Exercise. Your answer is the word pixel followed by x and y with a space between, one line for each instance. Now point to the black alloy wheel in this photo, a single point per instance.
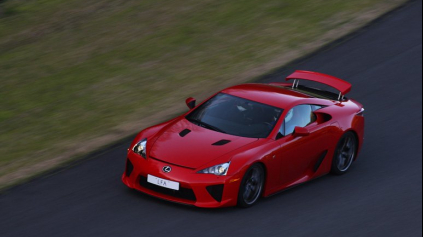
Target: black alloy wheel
pixel 251 186
pixel 345 154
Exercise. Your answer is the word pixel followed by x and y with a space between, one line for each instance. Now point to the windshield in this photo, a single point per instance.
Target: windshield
pixel 236 116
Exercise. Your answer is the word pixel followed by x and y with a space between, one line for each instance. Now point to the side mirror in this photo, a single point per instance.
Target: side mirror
pixel 301 132
pixel 191 102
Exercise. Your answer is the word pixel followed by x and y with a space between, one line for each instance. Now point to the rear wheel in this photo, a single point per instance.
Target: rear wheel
pixel 251 186
pixel 345 154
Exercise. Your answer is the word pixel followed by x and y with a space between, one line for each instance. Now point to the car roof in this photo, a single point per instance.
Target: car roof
pixel 273 95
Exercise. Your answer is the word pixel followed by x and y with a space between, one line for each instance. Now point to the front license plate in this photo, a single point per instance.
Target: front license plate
pixel 163 182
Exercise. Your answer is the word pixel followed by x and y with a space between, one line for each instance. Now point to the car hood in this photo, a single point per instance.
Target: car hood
pixel 188 145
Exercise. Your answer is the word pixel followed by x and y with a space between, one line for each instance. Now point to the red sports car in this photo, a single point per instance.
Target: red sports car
pixel 249 141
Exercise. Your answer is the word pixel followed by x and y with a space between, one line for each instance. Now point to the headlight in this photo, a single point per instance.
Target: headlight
pixel 220 170
pixel 140 148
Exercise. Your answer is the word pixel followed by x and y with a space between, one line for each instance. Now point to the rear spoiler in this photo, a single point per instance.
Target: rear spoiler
pixel 340 85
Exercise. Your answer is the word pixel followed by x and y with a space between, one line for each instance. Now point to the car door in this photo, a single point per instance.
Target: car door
pixel 298 155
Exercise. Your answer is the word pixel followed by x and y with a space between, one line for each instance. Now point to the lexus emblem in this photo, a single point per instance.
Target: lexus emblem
pixel 167 169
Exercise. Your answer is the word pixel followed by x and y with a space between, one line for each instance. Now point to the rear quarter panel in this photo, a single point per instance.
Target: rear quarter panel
pixel 345 115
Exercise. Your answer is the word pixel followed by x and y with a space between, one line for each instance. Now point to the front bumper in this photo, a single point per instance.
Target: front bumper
pixel 201 190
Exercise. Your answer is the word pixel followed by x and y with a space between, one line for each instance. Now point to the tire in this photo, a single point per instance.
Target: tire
pixel 251 187
pixel 345 154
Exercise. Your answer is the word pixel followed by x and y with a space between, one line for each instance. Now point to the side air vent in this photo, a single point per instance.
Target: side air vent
pixel 320 161
pixel 323 117
pixel 221 143
pixel 184 133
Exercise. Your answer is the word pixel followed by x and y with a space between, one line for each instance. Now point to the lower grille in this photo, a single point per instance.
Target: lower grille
pixel 216 192
pixel 129 168
pixel 183 193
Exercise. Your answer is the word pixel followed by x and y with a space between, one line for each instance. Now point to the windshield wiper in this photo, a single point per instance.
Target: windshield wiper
pixel 205 125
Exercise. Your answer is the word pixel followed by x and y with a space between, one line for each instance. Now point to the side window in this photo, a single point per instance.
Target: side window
pixel 316 107
pixel 299 116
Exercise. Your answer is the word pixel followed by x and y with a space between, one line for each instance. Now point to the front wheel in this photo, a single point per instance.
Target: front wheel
pixel 345 154
pixel 251 186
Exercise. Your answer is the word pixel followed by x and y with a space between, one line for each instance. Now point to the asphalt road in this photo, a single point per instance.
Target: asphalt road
pixel 382 196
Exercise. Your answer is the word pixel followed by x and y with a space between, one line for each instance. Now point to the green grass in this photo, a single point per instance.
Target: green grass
pixel 73 70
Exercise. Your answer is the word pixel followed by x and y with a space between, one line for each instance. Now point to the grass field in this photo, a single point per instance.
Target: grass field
pixel 73 71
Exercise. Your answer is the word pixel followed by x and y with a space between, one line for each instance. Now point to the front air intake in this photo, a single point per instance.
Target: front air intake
pixel 129 168
pixel 216 192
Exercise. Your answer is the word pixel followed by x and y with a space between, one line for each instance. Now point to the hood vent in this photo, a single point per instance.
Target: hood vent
pixel 221 143
pixel 184 133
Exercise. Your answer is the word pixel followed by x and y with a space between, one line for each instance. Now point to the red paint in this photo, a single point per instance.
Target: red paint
pixel 288 161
